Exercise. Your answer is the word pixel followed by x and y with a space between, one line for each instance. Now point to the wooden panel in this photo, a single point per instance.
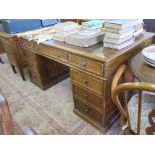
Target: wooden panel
pixel 35 77
pixel 87 96
pixel 33 66
pixel 62 68
pixel 86 64
pixel 88 111
pixel 28 54
pixel 88 81
pixel 1 48
pixel 9 52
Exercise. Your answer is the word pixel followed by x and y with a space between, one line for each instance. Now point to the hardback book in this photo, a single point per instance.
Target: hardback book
pixel 121 23
pixel 117 41
pixel 95 22
pixel 112 30
pixel 92 27
pixel 66 32
pixel 84 40
pixel 89 32
pixel 138 26
pixel 119 35
pixel 119 46
pixel 59 37
pixel 139 32
pixel 66 26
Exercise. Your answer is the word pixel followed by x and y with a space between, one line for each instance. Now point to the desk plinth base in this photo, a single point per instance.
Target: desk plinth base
pixel 102 128
pixel 99 127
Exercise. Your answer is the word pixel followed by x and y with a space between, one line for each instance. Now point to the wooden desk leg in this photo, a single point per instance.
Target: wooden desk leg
pixel 1 61
pixel 13 68
pixel 20 70
pixel 22 73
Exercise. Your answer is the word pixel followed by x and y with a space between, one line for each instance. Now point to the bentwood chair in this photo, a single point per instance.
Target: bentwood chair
pixel 137 112
pixel 6 124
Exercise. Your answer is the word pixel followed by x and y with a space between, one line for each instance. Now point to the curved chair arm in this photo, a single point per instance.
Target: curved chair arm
pixel 28 131
pixel 6 117
pixel 115 81
pixel 141 86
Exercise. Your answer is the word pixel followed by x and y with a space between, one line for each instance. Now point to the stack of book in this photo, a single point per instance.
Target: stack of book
pixel 119 33
pixel 62 30
pixel 91 33
pixel 86 40
pixel 92 27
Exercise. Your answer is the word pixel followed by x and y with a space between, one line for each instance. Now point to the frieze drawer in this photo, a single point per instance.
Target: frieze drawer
pixel 54 52
pixel 86 64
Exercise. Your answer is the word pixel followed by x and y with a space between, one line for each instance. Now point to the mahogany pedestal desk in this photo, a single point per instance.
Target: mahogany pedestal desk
pixel 91 71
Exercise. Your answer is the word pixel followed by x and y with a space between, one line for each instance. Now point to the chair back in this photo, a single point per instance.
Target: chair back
pixel 118 88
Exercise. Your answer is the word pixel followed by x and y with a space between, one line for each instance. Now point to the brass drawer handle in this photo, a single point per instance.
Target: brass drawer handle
pixel 85 95
pixel 85 82
pixel 83 64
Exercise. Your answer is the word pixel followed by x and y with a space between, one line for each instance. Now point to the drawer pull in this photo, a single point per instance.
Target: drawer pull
pixel 85 82
pixel 86 111
pixel 86 95
pixel 83 64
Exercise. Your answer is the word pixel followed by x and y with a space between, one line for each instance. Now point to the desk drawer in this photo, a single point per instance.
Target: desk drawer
pixel 86 64
pixel 28 54
pixel 35 77
pixel 87 96
pixel 88 81
pixel 88 111
pixel 62 55
pixel 54 52
pixel 5 41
